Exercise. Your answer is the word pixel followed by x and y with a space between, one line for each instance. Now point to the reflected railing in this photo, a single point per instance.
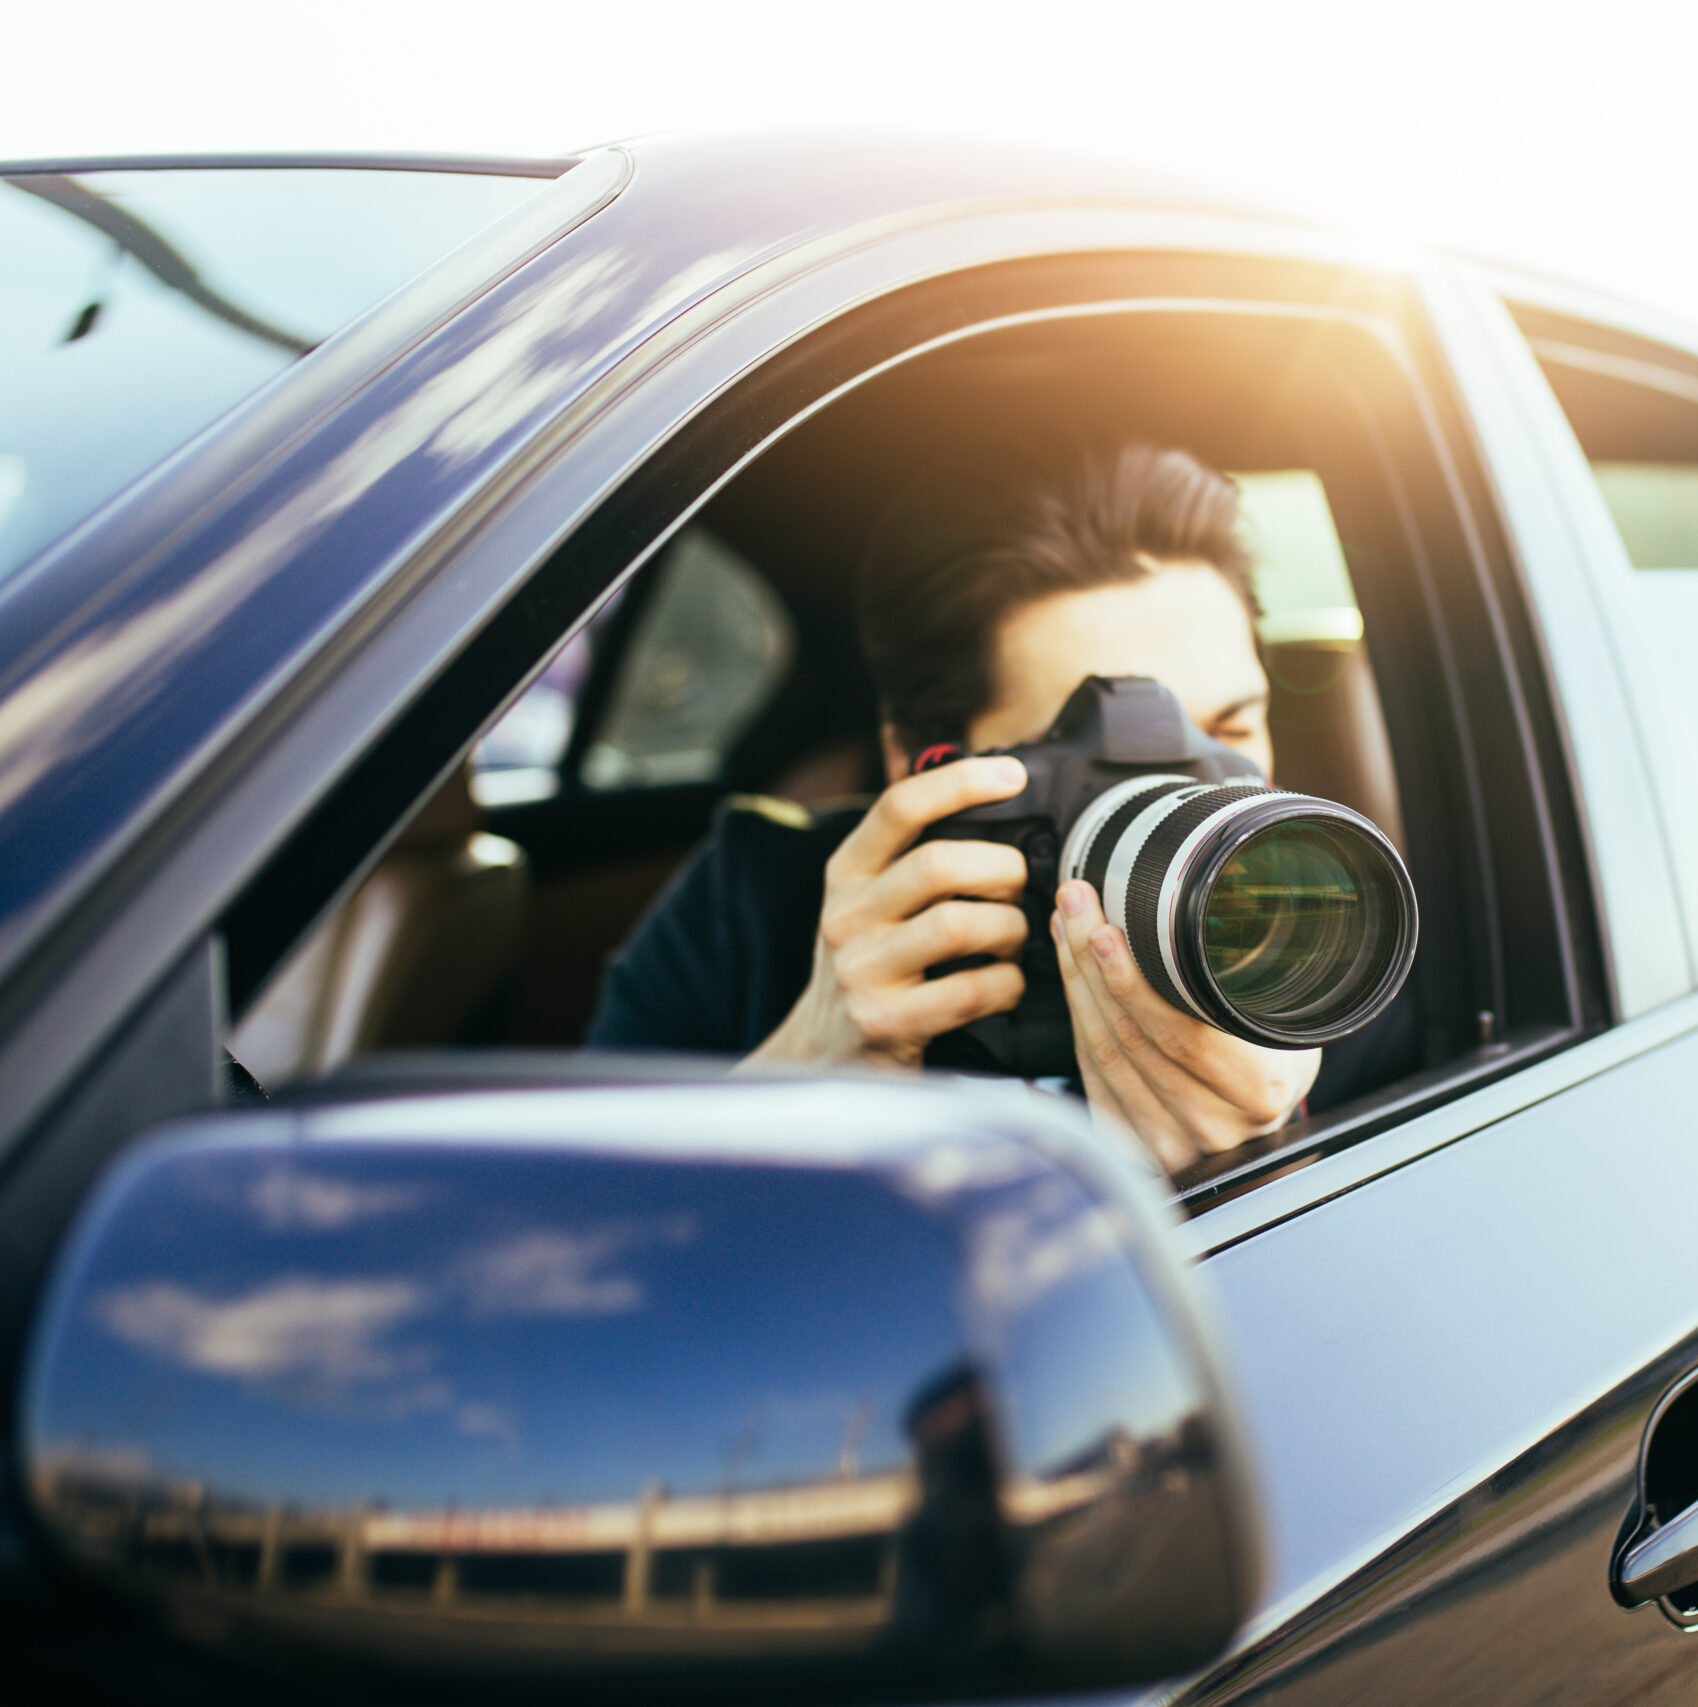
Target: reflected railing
pixel 826 1547
pixel 822 1552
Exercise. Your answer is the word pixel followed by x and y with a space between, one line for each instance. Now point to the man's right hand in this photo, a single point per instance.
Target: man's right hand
pixel 892 910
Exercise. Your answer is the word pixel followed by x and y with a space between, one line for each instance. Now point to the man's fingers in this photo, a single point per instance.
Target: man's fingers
pixel 934 871
pixel 1089 941
pixel 1110 1081
pixel 897 817
pixel 901 1021
pixel 951 930
pixel 943 1004
pixel 1106 1042
pixel 1259 1085
pixel 1218 1088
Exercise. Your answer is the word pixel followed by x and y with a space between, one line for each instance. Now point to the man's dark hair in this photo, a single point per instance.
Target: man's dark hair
pixel 951 560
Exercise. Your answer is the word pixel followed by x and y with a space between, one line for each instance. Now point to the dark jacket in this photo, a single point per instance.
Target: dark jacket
pixel 727 947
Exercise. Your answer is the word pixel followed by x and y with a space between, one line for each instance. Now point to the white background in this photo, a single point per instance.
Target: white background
pixel 1556 134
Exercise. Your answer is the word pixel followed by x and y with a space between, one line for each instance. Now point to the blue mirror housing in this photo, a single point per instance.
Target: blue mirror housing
pixel 671 1388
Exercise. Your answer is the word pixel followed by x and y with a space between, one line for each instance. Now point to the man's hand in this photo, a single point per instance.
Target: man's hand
pixel 892 909
pixel 1185 1088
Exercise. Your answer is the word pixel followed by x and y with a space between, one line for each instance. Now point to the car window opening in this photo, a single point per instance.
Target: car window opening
pixel 729 667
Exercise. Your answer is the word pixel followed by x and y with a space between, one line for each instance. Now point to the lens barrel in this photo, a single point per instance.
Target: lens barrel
pixel 1283 918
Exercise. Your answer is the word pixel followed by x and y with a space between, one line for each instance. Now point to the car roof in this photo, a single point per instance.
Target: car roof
pixel 908 166
pixel 984 163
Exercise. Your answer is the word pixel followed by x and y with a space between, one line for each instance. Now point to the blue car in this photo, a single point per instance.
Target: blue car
pixel 403 560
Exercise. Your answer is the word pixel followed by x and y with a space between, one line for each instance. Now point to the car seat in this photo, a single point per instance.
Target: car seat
pixel 407 961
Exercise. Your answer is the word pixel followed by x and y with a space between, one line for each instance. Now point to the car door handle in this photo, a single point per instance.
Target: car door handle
pixel 1666 1560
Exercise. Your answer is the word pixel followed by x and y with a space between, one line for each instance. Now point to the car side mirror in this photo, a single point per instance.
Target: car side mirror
pixel 672 1388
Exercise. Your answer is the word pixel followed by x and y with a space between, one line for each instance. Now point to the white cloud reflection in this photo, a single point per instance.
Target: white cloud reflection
pixel 944 1170
pixel 324 1335
pixel 548 1272
pixel 1041 1244
pixel 292 1200
pixel 482 1421
pixel 378 1344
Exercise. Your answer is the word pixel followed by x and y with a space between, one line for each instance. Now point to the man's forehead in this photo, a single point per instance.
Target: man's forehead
pixel 1188 625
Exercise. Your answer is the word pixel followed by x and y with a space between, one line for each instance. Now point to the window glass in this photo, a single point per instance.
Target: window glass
pixel 519 759
pixel 709 649
pixel 707 652
pixel 138 306
pixel 1655 506
pixel 1324 713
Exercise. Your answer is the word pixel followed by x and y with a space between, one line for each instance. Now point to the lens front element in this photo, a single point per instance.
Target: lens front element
pixel 1300 924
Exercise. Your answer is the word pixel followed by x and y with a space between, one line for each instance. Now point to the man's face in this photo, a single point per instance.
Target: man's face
pixel 1182 624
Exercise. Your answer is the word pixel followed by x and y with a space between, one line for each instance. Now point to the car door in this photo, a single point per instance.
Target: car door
pixel 1466 1361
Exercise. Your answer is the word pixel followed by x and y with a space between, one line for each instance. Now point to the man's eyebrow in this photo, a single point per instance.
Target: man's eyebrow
pixel 1245 704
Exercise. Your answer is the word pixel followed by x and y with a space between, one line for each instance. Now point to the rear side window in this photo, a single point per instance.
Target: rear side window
pixel 136 307
pixel 1655 506
pixel 699 658
pixel 707 653
pixel 1633 405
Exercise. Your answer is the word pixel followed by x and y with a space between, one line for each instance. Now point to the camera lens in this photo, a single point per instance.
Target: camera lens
pixel 1282 918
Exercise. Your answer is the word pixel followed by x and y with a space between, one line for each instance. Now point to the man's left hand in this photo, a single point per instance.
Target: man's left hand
pixel 1186 1088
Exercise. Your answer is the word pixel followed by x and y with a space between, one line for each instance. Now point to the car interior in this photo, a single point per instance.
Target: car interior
pixel 728 665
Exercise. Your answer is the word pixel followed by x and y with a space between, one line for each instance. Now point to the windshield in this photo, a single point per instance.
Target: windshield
pixel 137 306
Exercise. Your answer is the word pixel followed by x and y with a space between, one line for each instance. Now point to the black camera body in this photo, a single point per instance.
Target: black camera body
pixel 1111 730
pixel 1283 919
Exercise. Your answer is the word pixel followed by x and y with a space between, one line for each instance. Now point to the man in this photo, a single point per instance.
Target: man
pixel 792 938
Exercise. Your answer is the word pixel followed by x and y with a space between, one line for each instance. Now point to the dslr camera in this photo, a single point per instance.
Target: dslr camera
pixel 1281 918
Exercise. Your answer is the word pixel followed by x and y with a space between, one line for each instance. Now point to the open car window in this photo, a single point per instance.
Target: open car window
pixel 728 667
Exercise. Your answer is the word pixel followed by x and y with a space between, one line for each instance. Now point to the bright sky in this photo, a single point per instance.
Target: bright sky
pixel 1559 134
